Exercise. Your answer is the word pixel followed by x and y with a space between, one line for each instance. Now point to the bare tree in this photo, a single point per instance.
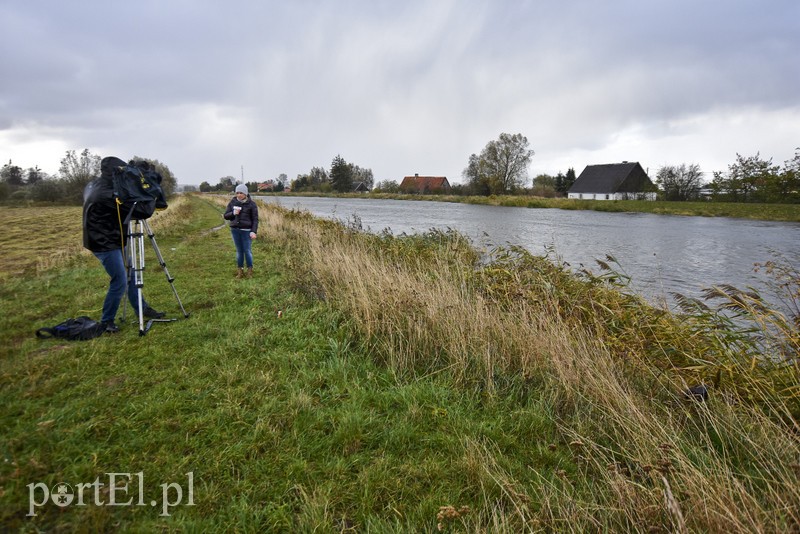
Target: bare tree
pixel 318 176
pixel 679 182
pixel 362 175
pixel 501 167
pixel 77 171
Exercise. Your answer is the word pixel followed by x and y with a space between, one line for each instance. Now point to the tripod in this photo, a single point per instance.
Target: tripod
pixel 135 264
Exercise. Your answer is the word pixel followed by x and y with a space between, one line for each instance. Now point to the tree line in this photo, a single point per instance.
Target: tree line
pixel 749 179
pixel 753 179
pixel 501 168
pixel 342 177
pixel 66 187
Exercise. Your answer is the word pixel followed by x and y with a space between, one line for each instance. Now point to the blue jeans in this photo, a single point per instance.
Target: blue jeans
pixel 241 238
pixel 115 267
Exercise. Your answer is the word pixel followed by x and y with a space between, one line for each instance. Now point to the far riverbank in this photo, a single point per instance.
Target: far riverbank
pixel 761 212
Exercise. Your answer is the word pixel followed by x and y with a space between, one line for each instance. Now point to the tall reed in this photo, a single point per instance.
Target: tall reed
pixel 611 369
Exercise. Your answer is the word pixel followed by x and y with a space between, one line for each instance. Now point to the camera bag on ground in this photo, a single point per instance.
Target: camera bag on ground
pixel 78 329
pixel 137 186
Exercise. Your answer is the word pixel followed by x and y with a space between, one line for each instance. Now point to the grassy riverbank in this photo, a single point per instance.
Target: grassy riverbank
pixel 399 389
pixel 764 212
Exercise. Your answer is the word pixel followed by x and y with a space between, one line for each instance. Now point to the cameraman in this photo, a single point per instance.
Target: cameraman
pixel 102 234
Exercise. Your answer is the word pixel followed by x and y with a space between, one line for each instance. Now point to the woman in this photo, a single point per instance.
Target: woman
pixel 243 214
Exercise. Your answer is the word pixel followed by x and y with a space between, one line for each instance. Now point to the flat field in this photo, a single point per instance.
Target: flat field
pixel 34 239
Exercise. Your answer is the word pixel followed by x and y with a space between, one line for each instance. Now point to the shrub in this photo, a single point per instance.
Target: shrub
pixel 47 191
pixel 20 195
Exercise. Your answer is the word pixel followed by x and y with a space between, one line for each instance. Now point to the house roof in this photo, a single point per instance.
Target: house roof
pixel 425 182
pixel 625 177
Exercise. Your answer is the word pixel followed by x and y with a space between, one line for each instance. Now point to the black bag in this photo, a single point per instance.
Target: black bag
pixel 137 186
pixel 78 329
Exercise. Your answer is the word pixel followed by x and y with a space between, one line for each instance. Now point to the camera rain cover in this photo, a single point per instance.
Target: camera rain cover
pixel 137 187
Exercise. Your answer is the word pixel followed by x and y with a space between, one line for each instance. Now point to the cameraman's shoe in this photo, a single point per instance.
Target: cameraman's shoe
pixel 110 327
pixel 151 313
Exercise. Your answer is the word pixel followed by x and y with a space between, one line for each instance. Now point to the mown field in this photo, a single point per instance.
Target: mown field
pixel 375 384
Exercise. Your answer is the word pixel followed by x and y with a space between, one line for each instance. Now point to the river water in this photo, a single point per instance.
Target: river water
pixel 661 253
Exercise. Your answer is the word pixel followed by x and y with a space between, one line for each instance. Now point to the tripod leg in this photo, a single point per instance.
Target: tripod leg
pixel 137 260
pixel 163 264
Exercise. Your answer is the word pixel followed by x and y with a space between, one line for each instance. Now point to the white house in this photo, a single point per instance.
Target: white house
pixel 613 181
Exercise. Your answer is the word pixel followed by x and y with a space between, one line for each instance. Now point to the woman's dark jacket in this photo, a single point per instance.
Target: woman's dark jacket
pixel 247 218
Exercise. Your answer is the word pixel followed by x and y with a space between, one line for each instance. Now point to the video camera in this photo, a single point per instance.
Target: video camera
pixel 137 186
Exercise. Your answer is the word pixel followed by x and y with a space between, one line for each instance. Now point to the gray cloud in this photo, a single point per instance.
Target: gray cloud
pixel 279 87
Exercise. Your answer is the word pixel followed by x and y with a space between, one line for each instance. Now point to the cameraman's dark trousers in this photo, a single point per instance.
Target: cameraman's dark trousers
pixel 114 265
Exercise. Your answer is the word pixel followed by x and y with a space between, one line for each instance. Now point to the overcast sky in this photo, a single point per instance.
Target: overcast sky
pixel 400 87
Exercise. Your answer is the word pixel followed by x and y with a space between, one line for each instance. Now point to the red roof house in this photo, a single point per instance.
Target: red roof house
pixel 425 184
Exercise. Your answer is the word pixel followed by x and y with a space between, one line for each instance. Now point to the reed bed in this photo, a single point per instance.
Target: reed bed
pixel 609 370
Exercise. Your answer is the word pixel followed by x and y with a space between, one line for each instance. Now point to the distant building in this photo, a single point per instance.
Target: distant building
pixel 613 181
pixel 425 184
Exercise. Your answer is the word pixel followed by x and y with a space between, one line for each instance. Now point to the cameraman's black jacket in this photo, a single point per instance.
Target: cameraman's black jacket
pixel 101 224
pixel 247 218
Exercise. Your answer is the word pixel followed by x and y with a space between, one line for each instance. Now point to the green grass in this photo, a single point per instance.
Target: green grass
pixel 399 389
pixel 286 423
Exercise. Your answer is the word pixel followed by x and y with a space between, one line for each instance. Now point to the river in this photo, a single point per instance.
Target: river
pixel 661 253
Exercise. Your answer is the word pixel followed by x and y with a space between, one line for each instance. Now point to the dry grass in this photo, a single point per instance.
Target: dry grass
pixel 29 245
pixel 35 239
pixel 652 461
